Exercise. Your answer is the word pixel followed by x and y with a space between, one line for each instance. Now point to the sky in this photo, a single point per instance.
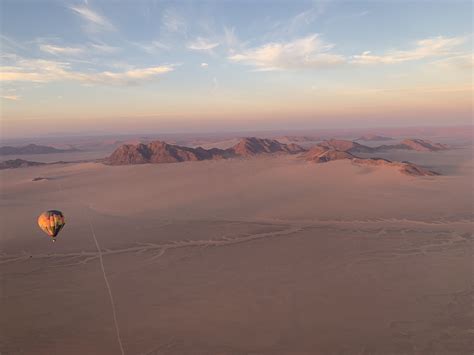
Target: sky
pixel 184 66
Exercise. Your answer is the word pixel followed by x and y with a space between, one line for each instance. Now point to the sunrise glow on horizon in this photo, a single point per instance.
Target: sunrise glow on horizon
pixel 186 66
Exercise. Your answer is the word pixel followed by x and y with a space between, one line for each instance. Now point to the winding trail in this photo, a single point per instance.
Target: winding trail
pixel 99 251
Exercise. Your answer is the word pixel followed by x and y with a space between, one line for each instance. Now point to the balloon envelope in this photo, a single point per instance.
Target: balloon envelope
pixel 51 222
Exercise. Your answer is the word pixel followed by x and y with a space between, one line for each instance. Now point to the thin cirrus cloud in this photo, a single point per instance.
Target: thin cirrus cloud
pixel 58 50
pixel 104 48
pixel 64 51
pixel 460 62
pixel 296 23
pixel 10 97
pixel 425 48
pixel 202 44
pixel 308 52
pixel 231 41
pixel 44 71
pixel 151 47
pixel 94 21
pixel 173 22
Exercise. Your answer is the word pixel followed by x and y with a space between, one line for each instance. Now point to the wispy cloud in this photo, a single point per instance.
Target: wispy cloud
pixel 296 24
pixel 459 62
pixel 302 19
pixel 58 50
pixel 43 71
pixel 10 97
pixel 78 51
pixel 151 47
pixel 347 17
pixel 7 42
pixel 215 84
pixel 230 39
pixel 304 53
pixel 425 48
pixel 129 77
pixel 173 22
pixel 94 21
pixel 104 48
pixel 202 44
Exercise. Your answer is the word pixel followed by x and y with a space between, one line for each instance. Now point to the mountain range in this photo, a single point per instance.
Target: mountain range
pixel 161 152
pixel 326 151
pixel 157 152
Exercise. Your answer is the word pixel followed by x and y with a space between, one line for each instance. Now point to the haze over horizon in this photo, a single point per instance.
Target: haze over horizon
pixel 203 66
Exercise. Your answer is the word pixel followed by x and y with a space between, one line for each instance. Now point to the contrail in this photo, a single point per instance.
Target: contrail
pixel 117 329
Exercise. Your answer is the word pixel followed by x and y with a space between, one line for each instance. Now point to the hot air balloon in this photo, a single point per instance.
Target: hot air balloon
pixel 51 222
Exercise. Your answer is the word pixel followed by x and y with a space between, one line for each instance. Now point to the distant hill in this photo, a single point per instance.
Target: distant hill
pixel 346 146
pixel 322 154
pixel 419 145
pixel 254 146
pixel 18 163
pixel 161 152
pixel 32 149
pixel 297 139
pixel 373 137
pixel 404 167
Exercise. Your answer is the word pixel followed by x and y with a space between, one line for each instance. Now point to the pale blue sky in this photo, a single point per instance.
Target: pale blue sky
pixel 203 64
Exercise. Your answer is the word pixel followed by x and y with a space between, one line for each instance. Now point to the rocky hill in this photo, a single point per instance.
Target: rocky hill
pixel 161 152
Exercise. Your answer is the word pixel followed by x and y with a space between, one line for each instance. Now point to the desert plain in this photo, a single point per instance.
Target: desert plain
pixel 266 255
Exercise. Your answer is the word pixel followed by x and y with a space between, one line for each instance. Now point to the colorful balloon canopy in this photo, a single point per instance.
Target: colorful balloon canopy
pixel 51 222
